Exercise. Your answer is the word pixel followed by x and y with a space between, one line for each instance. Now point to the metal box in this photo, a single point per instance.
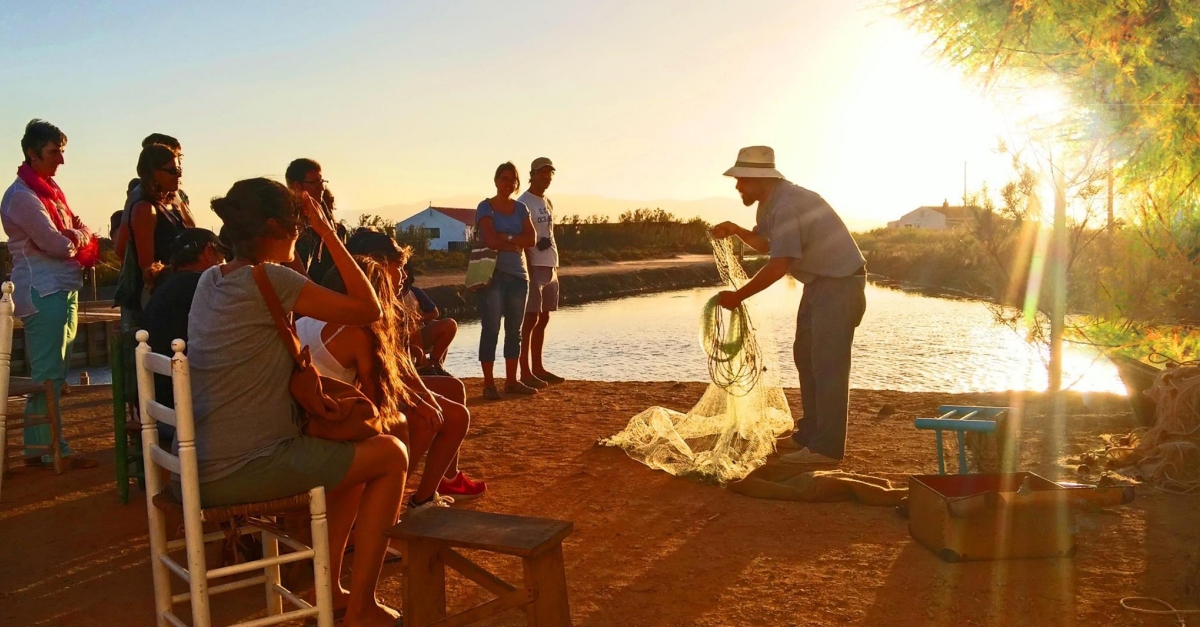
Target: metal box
pixel 991 516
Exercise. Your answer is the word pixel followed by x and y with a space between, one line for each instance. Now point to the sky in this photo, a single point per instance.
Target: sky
pixel 639 103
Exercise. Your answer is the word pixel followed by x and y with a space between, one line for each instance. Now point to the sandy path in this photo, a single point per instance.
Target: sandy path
pixel 651 549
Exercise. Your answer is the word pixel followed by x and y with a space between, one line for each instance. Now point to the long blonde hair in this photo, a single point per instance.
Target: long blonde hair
pixel 390 334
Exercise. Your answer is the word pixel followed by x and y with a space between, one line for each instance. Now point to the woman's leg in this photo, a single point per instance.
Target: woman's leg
pixel 443 447
pixel 515 293
pixel 48 338
pixel 342 508
pixel 490 309
pixel 377 473
pixel 442 334
pixel 454 390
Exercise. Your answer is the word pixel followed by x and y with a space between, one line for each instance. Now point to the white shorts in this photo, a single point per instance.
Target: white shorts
pixel 543 290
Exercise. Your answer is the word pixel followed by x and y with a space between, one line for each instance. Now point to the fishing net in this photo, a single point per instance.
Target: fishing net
pixel 732 429
pixel 1166 455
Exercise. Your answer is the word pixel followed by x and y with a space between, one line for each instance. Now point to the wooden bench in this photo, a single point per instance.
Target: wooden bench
pixel 429 538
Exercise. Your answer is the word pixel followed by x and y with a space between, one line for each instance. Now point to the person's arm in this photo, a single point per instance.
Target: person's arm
pixel 428 308
pixel 142 220
pixel 122 237
pixel 28 212
pixel 362 358
pixel 752 239
pixel 423 395
pixel 359 305
pixel 78 225
pixel 528 236
pixel 764 278
pixel 496 241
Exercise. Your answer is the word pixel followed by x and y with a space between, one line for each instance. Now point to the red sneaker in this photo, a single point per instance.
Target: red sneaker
pixel 462 488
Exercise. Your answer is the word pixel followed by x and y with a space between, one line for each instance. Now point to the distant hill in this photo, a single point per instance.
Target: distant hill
pixel 711 210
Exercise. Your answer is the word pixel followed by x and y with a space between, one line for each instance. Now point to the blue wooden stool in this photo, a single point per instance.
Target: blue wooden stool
pixel 960 419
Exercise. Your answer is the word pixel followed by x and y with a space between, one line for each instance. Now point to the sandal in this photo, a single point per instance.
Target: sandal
pixel 491 393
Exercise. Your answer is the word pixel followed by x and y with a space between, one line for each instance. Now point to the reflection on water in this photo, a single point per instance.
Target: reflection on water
pixel 906 342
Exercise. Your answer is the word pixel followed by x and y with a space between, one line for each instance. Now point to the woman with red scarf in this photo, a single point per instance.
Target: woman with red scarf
pixel 50 246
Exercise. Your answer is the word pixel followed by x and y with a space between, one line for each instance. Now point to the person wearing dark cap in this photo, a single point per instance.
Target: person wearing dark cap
pixel 542 259
pixel 806 239
pixel 172 288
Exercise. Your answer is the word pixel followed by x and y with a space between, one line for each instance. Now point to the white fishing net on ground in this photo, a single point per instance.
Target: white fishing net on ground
pixel 732 429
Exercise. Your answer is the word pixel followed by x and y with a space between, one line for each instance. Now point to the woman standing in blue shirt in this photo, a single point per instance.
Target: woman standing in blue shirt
pixel 505 226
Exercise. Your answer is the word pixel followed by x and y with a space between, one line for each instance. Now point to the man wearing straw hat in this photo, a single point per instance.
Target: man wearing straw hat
pixel 808 240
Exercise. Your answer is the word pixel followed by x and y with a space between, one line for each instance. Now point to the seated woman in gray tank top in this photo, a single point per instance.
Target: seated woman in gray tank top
pixel 248 439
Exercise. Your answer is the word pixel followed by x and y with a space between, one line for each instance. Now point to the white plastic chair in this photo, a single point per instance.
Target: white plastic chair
pixel 194 571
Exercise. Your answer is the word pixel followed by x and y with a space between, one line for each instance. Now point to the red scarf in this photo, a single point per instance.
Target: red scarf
pixel 55 201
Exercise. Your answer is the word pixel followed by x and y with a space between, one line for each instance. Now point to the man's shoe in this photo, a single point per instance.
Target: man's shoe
pixel 462 488
pixel 516 387
pixel 436 501
pixel 805 456
pixel 491 393
pixel 548 377
pixel 534 382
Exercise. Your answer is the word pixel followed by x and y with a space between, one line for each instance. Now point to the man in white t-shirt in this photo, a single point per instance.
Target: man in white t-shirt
pixel 542 260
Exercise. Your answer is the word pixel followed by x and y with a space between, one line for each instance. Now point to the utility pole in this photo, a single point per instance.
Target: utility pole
pixel 964 183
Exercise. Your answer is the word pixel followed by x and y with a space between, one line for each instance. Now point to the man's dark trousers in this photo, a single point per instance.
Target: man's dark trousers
pixel 830 310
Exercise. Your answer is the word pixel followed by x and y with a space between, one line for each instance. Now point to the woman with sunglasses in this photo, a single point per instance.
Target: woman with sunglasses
pixel 155 220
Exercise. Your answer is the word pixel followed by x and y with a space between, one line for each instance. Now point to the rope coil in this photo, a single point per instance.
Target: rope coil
pixel 733 353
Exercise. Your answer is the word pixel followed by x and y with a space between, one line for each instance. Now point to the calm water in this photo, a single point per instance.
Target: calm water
pixel 906 342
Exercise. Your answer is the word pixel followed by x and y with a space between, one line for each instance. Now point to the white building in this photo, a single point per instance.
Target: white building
pixel 934 218
pixel 447 228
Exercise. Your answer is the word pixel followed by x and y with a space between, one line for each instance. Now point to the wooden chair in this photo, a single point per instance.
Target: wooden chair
pixel 236 518
pixel 127 430
pixel 428 540
pixel 20 386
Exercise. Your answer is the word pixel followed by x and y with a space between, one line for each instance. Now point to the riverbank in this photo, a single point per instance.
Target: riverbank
pixel 651 549
pixel 591 283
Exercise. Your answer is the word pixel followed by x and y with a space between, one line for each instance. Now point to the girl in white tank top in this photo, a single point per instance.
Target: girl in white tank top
pixel 309 331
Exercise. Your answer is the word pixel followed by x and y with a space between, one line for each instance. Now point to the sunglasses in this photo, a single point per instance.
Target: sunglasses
pixel 176 172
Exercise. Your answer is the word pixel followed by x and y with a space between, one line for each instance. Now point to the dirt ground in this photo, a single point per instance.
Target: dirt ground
pixel 651 549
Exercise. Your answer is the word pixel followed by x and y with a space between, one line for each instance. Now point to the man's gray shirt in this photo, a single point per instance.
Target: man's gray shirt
pixel 800 225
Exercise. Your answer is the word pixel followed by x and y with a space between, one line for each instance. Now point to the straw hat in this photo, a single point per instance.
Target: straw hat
pixel 755 162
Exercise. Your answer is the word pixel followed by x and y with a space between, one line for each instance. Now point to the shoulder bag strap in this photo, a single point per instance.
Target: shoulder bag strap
pixel 286 332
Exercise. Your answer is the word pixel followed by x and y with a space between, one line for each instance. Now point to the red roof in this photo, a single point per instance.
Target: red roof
pixel 466 216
